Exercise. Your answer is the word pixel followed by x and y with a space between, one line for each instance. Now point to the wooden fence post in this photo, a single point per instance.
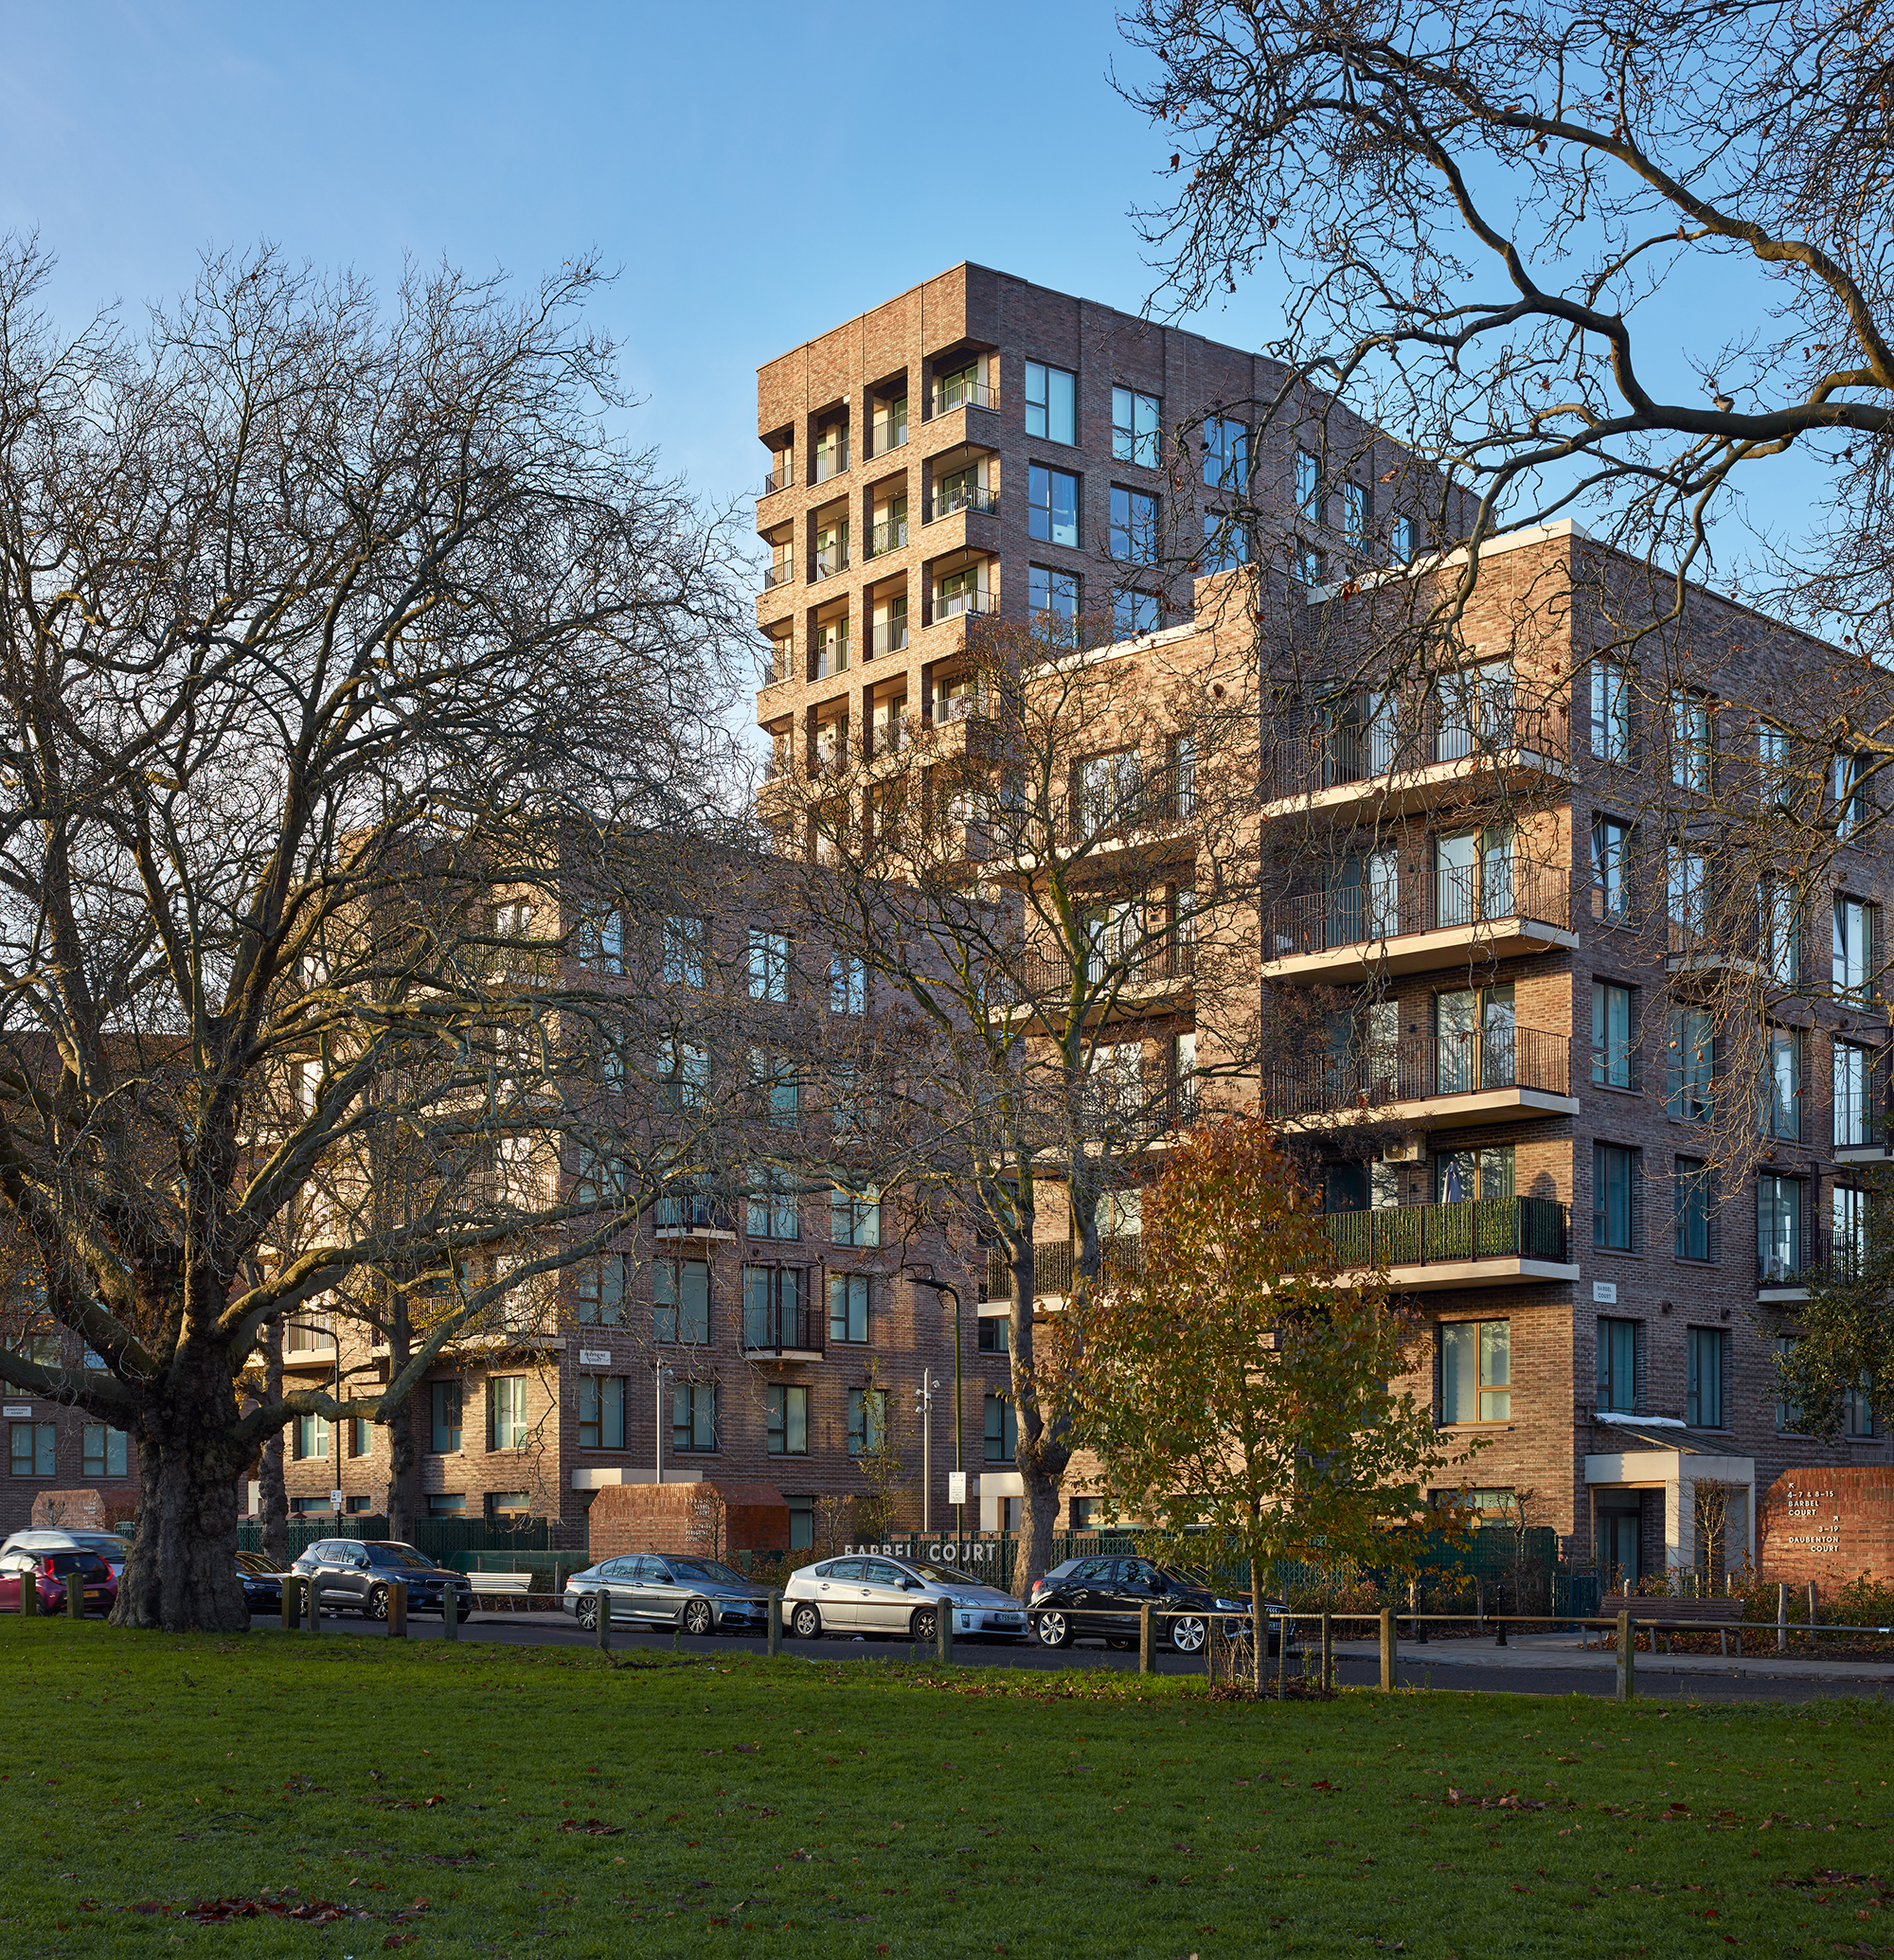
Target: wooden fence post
pixel 450 1611
pixel 604 1621
pixel 776 1622
pixel 75 1597
pixel 1387 1649
pixel 943 1629
pixel 1627 1659
pixel 398 1609
pixel 1145 1661
pixel 291 1609
pixel 1781 1616
pixel 1327 1653
pixel 1811 1616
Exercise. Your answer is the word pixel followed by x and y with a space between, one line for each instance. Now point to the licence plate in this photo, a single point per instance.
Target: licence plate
pixel 1010 1619
pixel 95 1596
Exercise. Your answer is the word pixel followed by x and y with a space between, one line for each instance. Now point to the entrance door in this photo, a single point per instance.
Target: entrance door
pixel 1617 1547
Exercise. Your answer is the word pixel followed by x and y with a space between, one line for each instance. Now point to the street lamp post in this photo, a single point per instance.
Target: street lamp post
pixel 925 1276
pixel 660 1375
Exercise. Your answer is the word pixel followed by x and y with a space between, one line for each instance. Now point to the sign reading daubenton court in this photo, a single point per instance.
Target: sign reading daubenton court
pixel 1829 1525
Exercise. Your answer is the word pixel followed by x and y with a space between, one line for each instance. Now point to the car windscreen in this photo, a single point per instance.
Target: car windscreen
pixel 87 1564
pixel 948 1575
pixel 103 1543
pixel 254 1562
pixel 706 1569
pixel 405 1555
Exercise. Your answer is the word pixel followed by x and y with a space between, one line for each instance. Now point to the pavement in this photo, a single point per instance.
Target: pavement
pixel 1530 1663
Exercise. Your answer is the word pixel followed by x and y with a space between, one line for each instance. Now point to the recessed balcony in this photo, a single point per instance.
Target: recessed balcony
pixel 1435 1082
pixel 784 1332
pixel 958 392
pixel 780 572
pixel 985 503
pixel 1497 910
pixel 1435 1248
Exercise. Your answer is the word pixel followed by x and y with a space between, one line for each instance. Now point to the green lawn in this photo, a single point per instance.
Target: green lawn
pixel 477 1799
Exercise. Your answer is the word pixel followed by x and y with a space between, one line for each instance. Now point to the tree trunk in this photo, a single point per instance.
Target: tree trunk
pixel 274 1491
pixel 1258 1625
pixel 404 1460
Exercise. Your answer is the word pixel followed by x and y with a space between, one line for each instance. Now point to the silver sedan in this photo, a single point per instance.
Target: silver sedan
pixel 884 1598
pixel 698 1596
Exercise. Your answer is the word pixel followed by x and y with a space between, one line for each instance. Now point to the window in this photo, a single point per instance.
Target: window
pixel 787 1412
pixel 1781 930
pixel 1226 543
pixel 961 591
pixel 1787 1415
pixel 1308 495
pixel 801 1523
pixel 831 648
pixel 1134 533
pixel 446 1504
pixel 312 1436
pixel 1779 1230
pixel 681 1300
pixel 101 1452
pixel 599 1287
pixel 831 451
pixel 1133 613
pixel 1691 1198
pixel 1703 1389
pixel 1611 712
pixel 1618 1365
pixel 831 548
pixel 1690 741
pixel 1476 1371
pixel 1782 1110
pixel 694 1415
pixel 601 942
pixel 1002 1428
pixel 1225 454
pixel 848 985
pixel 361 1437
pixel 1847 782
pixel 1052 593
pixel 507 1503
pixel 1051 505
pixel 1401 541
pixel 854 1218
pixel 1848 1228
pixel 1611 1035
pixel 1853 1096
pixel 1689 1063
pixel 444 1400
pixel 683 1074
pixel 868 1420
pixel 769 966
pixel 1613 1171
pixel 1472 876
pixel 1857 935
pixel 507 1411
pixel 1687 895
pixel 1462 1177
pixel 772 1203
pixel 1135 418
pixel 513 921
pixel 601 1412
pixel 775 1300
pixel 888 428
pixel 995 1335
pixel 1357 505
pixel 1051 403
pixel 1312 567
pixel 1772 763
pixel 848 1307
pixel 777 1087
pixel 32 1446
pixel 1857 1414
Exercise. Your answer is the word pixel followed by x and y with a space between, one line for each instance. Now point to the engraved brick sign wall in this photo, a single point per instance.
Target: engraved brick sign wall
pixel 1828 1524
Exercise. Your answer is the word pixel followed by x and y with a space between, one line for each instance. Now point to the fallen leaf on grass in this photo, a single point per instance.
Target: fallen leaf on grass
pixel 592 1828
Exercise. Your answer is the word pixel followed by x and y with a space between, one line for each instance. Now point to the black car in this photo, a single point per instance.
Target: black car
pixel 1102 1598
pixel 354 1574
pixel 262 1582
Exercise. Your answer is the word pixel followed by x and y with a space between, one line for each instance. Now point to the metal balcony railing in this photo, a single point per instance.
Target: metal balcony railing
pixel 779 572
pixel 1052 1268
pixel 887 537
pixel 1384 740
pixel 827 563
pixel 1449 896
pixel 948 395
pixel 685 1212
pixel 831 462
pixel 891 636
pixel 1151 799
pixel 779 480
pixel 1419 1067
pixel 1838 1255
pixel 971 497
pixel 784 1330
pixel 1164 958
pixel 1420 1234
pixel 952 605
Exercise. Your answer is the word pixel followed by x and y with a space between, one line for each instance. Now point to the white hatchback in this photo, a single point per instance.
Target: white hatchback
pixel 878 1597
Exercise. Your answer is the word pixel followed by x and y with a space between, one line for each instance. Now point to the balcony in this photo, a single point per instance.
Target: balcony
pixel 887 537
pixel 828 562
pixel 779 572
pixel 691 1215
pixel 1498 910
pixel 1433 1248
pixel 1167 966
pixel 951 395
pixel 781 1332
pixel 832 460
pixel 1410 762
pixel 891 637
pixel 1784 1281
pixel 1439 1080
pixel 968 497
pixel 779 480
pixel 1151 799
pixel 889 736
pixel 954 605
pixel 1052 1268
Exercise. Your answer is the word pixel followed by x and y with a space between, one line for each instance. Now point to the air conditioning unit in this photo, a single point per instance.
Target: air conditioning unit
pixel 1405 1150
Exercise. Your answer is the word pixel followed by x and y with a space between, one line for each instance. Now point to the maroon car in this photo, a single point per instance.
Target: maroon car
pixel 50 1571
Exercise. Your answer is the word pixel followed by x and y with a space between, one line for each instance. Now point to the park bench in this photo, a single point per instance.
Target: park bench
pixel 1668 1616
pixel 507 1591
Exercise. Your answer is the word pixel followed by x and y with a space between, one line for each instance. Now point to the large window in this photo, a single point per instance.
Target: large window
pixel 1848 1228
pixel 1690 741
pixel 681 1300
pixel 1226 543
pixel 1782 1110
pixel 32 1449
pixel 1051 505
pixel 1611 1035
pixel 312 1436
pixel 1051 403
pixel 1475 1371
pixel 1002 1428
pixel 854 1218
pixel 694 1415
pixel 361 1437
pixel 1357 513
pixel 507 1411
pixel 1788 1414
pixel 1225 454
pixel 1848 781
pixel 1134 533
pixel 1703 1349
pixel 1854 1110
pixel 1856 931
pixel 1309 494
pixel 1614 1183
pixel 777 1087
pixel 1134 420
pixel 995 1335
pixel 1402 539
pixel 775 1301
pixel 1611 712
pixel 1617 1366
pixel 868 1420
pixel 601 1412
pixel 1781 930
pixel 1690 1183
pixel 1689 1063
pixel 848 1307
pixel 1857 1410
pixel 444 1408
pixel 1052 595
pixel 1687 895
pixel 1779 1229
pixel 1133 613
pixel 771 1207
pixel 599 1287
pixel 848 985
pixel 1611 869
pixel 801 1523
pixel 769 966
pixel 683 1074
pixel 787 1411
pixel 102 1451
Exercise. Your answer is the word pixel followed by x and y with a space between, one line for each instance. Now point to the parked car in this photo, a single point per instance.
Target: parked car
pixel 354 1574
pixel 48 1571
pixel 699 1595
pixel 1100 1597
pixel 894 1599
pixel 262 1582
pixel 110 1546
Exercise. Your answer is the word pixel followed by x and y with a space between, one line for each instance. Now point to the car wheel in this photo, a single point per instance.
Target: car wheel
pixel 924 1625
pixel 698 1619
pixel 586 1612
pixel 378 1603
pixel 1053 1629
pixel 806 1623
pixel 1120 1647
pixel 1186 1634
